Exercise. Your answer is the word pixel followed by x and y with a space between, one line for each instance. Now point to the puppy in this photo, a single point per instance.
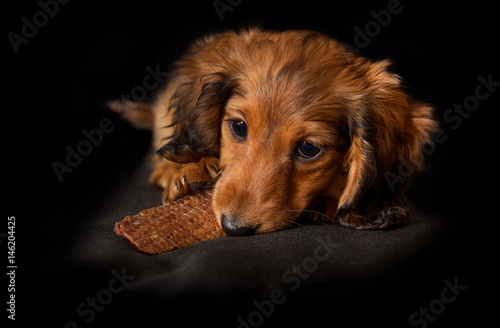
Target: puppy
pixel 286 123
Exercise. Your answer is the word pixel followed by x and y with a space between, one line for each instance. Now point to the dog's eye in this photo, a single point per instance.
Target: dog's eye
pixel 239 129
pixel 308 150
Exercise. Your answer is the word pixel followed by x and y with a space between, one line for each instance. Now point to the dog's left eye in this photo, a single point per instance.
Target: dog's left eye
pixel 308 150
pixel 239 129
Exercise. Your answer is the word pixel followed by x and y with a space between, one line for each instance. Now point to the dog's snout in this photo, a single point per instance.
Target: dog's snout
pixel 231 226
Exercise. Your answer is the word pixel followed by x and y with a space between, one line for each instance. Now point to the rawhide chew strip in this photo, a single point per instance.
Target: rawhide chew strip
pixel 174 225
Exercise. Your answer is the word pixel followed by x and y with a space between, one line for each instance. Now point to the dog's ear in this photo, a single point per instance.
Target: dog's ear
pixel 180 153
pixel 388 131
pixel 199 107
pixel 360 164
pixel 198 103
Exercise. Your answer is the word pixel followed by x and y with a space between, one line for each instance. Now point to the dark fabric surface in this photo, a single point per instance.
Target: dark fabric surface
pixel 326 268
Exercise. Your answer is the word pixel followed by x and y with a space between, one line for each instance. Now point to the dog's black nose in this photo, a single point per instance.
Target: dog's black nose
pixel 231 227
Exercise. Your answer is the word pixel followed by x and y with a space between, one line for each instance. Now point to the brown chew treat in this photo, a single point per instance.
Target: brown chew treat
pixel 174 225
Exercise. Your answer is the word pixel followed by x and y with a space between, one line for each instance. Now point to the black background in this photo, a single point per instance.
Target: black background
pixel 93 51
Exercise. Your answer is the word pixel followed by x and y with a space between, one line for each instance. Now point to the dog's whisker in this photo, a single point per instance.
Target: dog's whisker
pixel 292 222
pixel 314 213
pixel 295 223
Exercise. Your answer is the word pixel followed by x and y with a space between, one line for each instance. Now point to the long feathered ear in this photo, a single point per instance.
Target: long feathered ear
pixel 197 119
pixel 388 130
pixel 361 166
pixel 198 105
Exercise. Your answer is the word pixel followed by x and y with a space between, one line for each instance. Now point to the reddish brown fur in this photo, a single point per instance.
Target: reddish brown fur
pixel 288 88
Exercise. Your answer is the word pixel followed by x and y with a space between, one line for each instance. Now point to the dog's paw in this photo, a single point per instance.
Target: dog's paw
pixel 388 217
pixel 190 178
pixel 163 173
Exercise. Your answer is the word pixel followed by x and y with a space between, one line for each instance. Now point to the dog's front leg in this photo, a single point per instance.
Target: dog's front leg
pixel 182 179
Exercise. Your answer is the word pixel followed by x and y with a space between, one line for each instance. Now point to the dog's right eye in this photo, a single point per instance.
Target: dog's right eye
pixel 308 150
pixel 238 129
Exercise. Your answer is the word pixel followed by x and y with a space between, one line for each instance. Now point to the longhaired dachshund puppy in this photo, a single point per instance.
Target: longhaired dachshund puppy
pixel 285 124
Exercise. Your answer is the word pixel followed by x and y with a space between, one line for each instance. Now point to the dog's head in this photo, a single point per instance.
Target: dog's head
pixel 301 125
